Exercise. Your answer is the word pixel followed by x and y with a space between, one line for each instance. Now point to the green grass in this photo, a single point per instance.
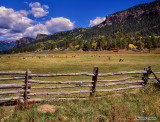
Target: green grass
pixel 81 63
pixel 125 108
pixel 53 52
pixel 144 103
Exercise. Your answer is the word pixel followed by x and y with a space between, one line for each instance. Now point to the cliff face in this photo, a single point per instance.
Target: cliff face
pixel 133 12
pixel 41 36
pixel 27 40
pixel 23 41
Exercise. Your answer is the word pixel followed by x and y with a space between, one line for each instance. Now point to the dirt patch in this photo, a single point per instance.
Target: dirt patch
pixel 80 50
pixel 83 110
pixel 4 119
pixel 46 108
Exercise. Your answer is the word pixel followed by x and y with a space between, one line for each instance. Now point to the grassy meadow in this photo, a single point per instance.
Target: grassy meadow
pixel 79 62
pixel 145 103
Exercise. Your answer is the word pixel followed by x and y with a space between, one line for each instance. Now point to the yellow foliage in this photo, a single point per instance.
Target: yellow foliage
pixel 77 46
pixel 94 44
pixel 39 49
pixel 131 46
pixel 50 41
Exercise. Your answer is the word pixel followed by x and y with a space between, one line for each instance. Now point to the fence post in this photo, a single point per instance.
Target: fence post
pixel 146 75
pixel 94 79
pixel 26 86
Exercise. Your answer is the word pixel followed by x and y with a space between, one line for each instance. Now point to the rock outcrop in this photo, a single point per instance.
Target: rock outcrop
pixel 133 12
pixel 23 41
pixel 27 40
pixel 41 36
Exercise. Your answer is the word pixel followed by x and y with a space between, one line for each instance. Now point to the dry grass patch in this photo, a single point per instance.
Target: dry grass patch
pixel 46 108
pixel 4 119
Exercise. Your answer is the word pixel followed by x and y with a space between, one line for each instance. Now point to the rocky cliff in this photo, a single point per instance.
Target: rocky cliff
pixel 41 36
pixel 27 40
pixel 134 12
pixel 23 41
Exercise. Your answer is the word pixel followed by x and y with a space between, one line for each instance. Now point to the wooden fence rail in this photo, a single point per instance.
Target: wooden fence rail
pixel 118 89
pixel 11 92
pixel 12 72
pixel 121 73
pixel 12 78
pixel 59 82
pixel 61 74
pixel 11 86
pixel 59 93
pixel 60 87
pixel 95 84
pixel 11 98
pixel 117 80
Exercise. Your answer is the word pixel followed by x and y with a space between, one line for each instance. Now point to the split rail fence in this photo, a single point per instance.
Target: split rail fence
pixel 25 88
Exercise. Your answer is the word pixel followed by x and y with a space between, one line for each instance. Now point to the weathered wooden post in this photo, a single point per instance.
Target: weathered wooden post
pixel 94 79
pixel 26 86
pixel 146 75
pixel 150 71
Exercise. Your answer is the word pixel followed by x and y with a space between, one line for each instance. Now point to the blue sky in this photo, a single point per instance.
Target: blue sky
pixel 21 18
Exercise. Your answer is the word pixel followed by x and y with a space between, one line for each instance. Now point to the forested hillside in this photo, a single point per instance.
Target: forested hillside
pixel 137 28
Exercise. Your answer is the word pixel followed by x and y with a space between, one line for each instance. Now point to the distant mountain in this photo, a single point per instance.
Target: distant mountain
pixel 26 40
pixel 6 44
pixel 23 41
pixel 138 25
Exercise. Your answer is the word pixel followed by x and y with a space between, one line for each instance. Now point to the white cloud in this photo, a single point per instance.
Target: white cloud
pixel 10 19
pixel 51 26
pixel 5 33
pixel 23 12
pixel 36 4
pixel 45 6
pixel 38 10
pixel 59 24
pixel 32 31
pixel 16 24
pixel 13 23
pixel 96 21
pixel 14 36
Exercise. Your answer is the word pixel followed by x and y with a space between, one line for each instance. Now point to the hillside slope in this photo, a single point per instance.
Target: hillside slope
pixel 139 25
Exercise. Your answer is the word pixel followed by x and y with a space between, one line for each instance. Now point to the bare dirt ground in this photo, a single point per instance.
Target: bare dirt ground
pixel 46 108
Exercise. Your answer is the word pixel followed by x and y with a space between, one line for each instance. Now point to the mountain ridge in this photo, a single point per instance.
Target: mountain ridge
pixel 26 40
pixel 6 45
pixel 129 26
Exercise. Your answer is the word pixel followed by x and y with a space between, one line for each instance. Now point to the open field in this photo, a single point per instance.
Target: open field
pixel 78 62
pixel 144 103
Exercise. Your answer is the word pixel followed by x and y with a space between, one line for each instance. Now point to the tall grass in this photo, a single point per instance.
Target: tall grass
pixel 146 103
